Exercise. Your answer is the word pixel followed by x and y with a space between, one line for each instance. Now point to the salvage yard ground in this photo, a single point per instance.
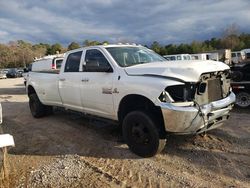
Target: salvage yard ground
pixel 71 150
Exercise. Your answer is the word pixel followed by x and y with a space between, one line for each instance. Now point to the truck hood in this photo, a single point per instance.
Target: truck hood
pixel 184 71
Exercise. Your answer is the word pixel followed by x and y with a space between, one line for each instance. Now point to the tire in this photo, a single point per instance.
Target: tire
pixel 237 76
pixel 49 110
pixel 37 109
pixel 243 99
pixel 141 134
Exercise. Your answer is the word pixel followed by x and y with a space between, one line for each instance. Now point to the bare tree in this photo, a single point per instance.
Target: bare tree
pixel 230 37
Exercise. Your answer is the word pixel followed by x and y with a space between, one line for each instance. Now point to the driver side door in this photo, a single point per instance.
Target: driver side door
pixel 97 84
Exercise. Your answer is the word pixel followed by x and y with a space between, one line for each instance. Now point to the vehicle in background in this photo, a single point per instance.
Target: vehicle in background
pixel 241 71
pixel 177 57
pixel 26 73
pixel 246 54
pixel 237 57
pixel 149 96
pixel 224 55
pixel 5 71
pixel 240 75
pixel 242 92
pixel 205 56
pixel 20 72
pixel 2 74
pixel 13 73
pixel 48 63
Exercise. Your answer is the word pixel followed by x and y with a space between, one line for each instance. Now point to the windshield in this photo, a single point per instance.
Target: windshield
pixel 129 56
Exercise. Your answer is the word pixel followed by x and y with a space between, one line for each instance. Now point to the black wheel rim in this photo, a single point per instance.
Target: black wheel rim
pixel 243 99
pixel 140 133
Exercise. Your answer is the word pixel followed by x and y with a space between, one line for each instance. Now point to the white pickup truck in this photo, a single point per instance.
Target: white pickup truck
pixel 149 96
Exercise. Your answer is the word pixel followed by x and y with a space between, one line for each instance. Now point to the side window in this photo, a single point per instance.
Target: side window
pixel 73 62
pixel 173 58
pixel 96 62
pixel 248 55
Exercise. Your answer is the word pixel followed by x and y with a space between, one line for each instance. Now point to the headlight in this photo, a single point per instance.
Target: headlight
pixel 182 93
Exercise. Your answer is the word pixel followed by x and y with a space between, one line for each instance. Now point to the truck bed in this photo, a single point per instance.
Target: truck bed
pixel 48 90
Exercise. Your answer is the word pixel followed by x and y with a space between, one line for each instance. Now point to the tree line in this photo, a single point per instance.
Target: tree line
pixel 233 42
pixel 21 53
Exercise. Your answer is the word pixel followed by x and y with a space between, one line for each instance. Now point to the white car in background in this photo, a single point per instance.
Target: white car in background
pixel 48 63
pixel 2 74
pixel 178 57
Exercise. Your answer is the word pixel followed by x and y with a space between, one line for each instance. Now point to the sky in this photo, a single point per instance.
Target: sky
pixel 133 21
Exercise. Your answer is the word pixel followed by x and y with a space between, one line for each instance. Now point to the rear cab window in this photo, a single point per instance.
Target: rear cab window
pixel 73 62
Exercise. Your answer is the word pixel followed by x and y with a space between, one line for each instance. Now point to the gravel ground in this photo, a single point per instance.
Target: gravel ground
pixel 71 150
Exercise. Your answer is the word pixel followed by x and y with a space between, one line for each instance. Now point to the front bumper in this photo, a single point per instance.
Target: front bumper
pixel 192 119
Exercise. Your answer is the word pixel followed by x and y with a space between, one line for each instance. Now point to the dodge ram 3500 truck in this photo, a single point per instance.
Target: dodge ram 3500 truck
pixel 149 96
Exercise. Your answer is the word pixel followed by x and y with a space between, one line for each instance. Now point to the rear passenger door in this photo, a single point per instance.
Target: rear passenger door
pixel 70 81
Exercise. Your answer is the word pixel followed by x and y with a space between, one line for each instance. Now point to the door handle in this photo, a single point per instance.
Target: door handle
pixel 85 80
pixel 62 79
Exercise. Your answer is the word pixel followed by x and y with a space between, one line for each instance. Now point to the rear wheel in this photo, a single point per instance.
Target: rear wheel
pixel 141 134
pixel 243 99
pixel 37 108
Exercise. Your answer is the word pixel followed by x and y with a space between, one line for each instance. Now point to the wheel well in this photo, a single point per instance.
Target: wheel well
pixel 31 90
pixel 138 102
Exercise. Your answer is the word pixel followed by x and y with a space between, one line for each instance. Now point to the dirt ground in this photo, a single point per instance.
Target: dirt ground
pixel 72 150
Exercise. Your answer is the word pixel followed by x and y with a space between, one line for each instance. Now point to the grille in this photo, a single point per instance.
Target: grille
pixel 214 90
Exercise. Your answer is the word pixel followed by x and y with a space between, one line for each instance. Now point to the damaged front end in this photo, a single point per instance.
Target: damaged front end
pixel 191 108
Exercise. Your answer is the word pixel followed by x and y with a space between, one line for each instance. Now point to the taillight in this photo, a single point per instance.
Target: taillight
pixel 53 66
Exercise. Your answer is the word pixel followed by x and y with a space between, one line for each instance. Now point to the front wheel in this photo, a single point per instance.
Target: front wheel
pixel 141 134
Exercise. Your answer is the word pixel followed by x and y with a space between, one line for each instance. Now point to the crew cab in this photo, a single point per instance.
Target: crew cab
pixel 149 96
